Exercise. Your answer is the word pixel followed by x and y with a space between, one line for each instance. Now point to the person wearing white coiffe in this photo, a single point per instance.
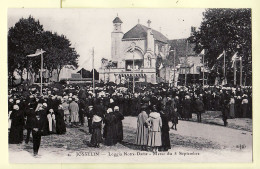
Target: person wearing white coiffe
pixel 244 105
pixel 154 122
pixel 96 137
pixel 49 116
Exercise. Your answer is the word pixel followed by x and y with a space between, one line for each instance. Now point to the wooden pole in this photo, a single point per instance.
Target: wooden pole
pixel 41 69
pixel 185 82
pixel 203 74
pixel 241 68
pixel 224 67
pixel 93 71
pixel 174 55
pixel 235 72
pixel 133 72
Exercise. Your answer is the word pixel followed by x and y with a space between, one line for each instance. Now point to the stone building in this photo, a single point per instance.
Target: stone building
pixel 138 52
pixel 154 57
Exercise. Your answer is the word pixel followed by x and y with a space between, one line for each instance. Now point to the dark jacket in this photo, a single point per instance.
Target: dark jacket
pixel 199 106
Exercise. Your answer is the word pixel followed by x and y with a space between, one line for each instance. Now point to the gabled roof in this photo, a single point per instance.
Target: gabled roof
pixel 117 20
pixel 182 47
pixel 140 32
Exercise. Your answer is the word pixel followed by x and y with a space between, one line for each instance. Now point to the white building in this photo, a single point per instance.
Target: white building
pixel 142 47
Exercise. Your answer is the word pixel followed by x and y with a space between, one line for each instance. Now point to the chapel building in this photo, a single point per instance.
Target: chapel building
pixel 138 52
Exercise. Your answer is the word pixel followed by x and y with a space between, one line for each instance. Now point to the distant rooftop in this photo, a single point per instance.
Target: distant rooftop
pixel 140 32
pixel 117 20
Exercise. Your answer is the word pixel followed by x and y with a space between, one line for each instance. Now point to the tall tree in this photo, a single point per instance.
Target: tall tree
pixel 26 37
pixel 23 39
pixel 226 30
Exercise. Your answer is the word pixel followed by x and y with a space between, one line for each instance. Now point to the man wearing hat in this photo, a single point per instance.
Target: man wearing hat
pixel 30 115
pixel 82 107
pixel 37 124
pixel 199 107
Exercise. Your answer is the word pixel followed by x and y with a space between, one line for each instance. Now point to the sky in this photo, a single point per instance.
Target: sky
pixel 89 28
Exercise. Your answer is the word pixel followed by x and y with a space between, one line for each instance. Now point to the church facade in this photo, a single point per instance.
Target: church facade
pixel 137 53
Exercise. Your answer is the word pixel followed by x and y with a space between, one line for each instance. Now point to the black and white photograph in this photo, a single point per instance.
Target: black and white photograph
pixel 129 85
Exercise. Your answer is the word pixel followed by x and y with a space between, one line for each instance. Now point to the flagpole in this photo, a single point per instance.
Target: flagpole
pixel 185 82
pixel 41 69
pixel 241 71
pixel 133 71
pixel 93 71
pixel 203 70
pixel 224 67
pixel 174 67
pixel 235 72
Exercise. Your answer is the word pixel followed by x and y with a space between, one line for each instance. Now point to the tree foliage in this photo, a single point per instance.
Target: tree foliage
pixel 226 30
pixel 26 37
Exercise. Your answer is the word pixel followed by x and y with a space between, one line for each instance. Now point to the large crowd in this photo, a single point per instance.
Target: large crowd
pixel 104 108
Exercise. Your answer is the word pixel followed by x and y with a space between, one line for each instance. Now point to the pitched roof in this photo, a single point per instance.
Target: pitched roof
pixel 117 20
pixel 140 32
pixel 182 47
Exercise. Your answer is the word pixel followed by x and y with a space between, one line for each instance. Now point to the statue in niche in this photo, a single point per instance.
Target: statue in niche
pixel 149 61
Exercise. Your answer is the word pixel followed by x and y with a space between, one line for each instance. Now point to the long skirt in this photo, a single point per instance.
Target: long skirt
pixel 232 111
pixel 154 138
pixel 166 140
pixel 141 135
pixel 96 136
pixel 74 117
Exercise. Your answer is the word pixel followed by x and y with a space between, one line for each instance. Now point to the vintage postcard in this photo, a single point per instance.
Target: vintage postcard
pixel 130 85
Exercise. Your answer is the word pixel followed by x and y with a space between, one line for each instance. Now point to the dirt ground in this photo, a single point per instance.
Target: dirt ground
pixel 208 141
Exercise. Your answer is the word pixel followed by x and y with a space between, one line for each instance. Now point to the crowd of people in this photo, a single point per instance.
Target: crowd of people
pixel 104 108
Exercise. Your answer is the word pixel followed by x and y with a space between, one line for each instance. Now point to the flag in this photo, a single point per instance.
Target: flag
pixel 202 52
pixel 221 55
pixel 213 67
pixel 161 66
pixel 234 58
pixel 224 82
pixel 38 52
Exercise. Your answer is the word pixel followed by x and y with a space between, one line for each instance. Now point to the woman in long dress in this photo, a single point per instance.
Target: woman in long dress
pixel 232 108
pixel 96 137
pixel 142 129
pixel 119 125
pixel 42 111
pixel 186 107
pixel 16 130
pixel 244 105
pixel 109 128
pixel 154 122
pixel 60 123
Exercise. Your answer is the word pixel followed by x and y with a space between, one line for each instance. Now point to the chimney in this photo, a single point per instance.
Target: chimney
pixel 149 23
